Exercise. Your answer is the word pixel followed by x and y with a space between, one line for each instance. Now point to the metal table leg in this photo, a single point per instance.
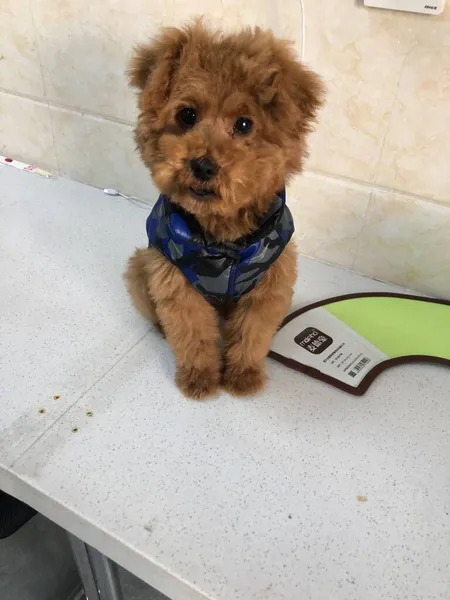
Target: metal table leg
pixel 99 574
pixel 106 574
pixel 82 560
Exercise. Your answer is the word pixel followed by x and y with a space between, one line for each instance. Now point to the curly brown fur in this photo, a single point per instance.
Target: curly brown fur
pixel 223 77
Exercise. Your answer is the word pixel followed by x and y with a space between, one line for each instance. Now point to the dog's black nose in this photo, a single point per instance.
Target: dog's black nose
pixel 204 168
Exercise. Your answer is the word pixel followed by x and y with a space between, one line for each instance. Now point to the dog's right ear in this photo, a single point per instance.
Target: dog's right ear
pixel 157 61
pixel 141 65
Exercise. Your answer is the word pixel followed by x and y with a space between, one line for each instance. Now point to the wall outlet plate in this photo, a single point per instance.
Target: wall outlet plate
pixel 428 7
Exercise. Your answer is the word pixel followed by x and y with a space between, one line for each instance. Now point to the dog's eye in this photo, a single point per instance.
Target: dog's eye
pixel 243 126
pixel 187 117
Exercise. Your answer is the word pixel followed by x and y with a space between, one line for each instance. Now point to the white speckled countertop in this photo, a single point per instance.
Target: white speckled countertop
pixel 222 500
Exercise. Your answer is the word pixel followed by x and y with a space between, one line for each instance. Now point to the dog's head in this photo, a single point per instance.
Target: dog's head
pixel 223 118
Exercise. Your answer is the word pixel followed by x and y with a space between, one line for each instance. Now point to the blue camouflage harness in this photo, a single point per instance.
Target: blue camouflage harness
pixel 221 272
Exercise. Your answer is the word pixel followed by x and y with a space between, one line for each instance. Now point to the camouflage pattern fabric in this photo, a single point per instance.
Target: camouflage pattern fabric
pixel 221 272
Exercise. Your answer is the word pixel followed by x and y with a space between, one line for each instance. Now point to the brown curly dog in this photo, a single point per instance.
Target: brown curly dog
pixel 222 127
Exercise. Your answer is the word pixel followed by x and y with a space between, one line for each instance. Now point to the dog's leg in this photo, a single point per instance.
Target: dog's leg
pixel 191 327
pixel 251 326
pixel 137 277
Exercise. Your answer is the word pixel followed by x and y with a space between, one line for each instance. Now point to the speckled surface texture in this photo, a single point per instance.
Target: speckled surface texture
pixel 65 319
pixel 302 493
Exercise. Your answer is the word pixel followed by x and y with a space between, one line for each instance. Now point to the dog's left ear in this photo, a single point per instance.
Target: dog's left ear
pixel 291 90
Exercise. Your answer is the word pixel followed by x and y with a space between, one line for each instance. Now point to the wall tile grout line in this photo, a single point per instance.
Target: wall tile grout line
pixel 363 226
pixel 402 288
pixel 55 147
pixel 394 102
pixel 80 111
pixel 30 5
pixel 375 187
pixel 341 179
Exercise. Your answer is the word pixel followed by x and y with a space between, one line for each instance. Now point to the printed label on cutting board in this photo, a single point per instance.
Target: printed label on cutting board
pixel 319 340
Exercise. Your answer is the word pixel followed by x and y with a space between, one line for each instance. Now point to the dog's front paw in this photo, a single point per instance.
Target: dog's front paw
pixel 198 383
pixel 244 381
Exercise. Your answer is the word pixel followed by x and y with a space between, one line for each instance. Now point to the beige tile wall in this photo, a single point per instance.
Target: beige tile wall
pixel 376 194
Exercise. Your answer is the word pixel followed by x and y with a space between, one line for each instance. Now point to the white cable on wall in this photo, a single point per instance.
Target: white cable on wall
pixel 302 4
pixel 133 199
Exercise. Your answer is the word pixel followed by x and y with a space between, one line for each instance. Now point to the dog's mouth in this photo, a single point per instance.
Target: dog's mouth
pixel 202 194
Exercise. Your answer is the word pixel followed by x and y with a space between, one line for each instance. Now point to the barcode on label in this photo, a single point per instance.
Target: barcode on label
pixel 357 368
